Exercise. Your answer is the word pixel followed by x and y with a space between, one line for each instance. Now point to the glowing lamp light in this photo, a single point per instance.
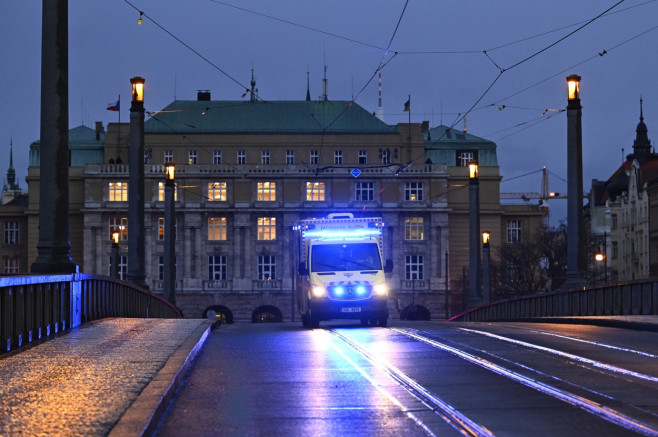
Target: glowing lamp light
pixel 599 256
pixel 361 290
pixel 381 289
pixel 473 170
pixel 485 237
pixel 319 291
pixel 170 170
pixel 573 87
pixel 338 291
pixel 138 89
pixel 140 21
pixel 115 237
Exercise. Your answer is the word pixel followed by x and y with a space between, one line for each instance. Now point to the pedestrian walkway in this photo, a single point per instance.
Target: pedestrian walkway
pixel 112 375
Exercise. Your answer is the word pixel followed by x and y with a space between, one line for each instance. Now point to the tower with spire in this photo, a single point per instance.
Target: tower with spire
pixel 10 184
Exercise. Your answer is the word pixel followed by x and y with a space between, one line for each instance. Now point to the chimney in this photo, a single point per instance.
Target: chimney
pixel 99 130
pixel 203 96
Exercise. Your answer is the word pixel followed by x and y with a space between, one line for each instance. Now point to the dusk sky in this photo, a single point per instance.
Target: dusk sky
pixel 445 54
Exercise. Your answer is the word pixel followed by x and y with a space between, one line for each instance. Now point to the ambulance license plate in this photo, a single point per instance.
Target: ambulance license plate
pixel 351 309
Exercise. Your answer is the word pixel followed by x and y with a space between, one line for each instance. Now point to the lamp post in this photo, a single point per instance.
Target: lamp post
pixel 486 263
pixel 114 257
pixel 474 234
pixel 136 243
pixel 575 245
pixel 602 257
pixel 169 236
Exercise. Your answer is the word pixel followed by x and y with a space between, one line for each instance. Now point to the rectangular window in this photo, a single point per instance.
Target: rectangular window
pixel 365 191
pixel 147 156
pixel 191 157
pixel 161 268
pixel 161 191
pixel 615 250
pixel 385 156
pixel 290 156
pixel 363 157
pixel 217 157
pixel 266 191
pixel 413 228
pixel 217 267
pixel 217 191
pixel 315 191
pixel 120 225
pixel 118 191
pixel 265 157
pixel 242 157
pixel 12 265
pixel 168 157
pixel 217 228
pixel 160 228
pixel 513 231
pixel 464 157
pixel 314 157
pixel 414 267
pixel 266 228
pixel 338 157
pixel 413 191
pixel 266 267
pixel 11 233
pixel 615 223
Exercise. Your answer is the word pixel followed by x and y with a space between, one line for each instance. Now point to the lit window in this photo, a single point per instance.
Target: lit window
pixel 363 157
pixel 266 267
pixel 120 225
pixel 161 190
pixel 413 228
pixel 267 228
pixel 168 157
pixel 118 191
pixel 338 157
pixel 217 157
pixel 217 267
pixel 11 232
pixel 314 157
pixel 265 157
pixel 365 191
pixel 242 157
pixel 217 228
pixel 290 156
pixel 192 157
pixel 413 267
pixel 161 228
pixel 413 191
pixel 513 231
pixel 464 157
pixel 315 191
pixel 266 191
pixel 217 191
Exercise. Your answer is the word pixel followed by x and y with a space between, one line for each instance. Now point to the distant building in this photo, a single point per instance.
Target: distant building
pixel 13 222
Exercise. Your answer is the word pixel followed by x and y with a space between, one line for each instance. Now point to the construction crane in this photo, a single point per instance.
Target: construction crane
pixel 544 195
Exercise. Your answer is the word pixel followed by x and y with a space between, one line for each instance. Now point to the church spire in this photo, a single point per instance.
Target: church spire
pixel 641 145
pixel 254 91
pixel 308 87
pixel 11 172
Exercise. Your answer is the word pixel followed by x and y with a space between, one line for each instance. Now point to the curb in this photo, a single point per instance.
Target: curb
pixel 142 417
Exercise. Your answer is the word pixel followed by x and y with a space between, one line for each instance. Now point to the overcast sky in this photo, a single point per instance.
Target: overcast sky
pixel 445 54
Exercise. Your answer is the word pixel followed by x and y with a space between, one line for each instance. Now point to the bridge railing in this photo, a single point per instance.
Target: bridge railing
pixel 36 307
pixel 629 298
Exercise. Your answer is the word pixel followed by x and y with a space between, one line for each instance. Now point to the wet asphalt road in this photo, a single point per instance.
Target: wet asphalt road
pixel 420 378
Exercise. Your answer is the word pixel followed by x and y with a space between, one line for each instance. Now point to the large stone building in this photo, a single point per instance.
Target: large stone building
pixel 247 170
pixel 13 222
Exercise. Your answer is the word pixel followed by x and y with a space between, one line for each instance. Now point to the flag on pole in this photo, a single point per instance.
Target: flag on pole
pixel 407 105
pixel 114 106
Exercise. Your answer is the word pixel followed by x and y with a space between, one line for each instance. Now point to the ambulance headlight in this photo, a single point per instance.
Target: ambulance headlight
pixel 319 291
pixel 381 289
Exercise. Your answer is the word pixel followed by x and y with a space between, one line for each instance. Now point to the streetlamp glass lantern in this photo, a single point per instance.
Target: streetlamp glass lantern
pixel 473 170
pixel 138 89
pixel 573 87
pixel 599 256
pixel 169 172
pixel 115 237
pixel 485 237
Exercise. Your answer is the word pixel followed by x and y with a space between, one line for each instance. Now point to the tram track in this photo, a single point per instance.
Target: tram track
pixel 591 403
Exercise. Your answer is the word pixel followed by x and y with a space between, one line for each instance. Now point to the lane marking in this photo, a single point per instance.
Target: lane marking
pixel 446 411
pixel 592 407
pixel 577 358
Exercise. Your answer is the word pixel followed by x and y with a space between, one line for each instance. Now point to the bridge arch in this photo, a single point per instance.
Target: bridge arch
pixel 266 314
pixel 218 312
pixel 415 312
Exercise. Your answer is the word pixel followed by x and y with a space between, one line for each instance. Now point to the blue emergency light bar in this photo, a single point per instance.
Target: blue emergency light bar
pixel 340 234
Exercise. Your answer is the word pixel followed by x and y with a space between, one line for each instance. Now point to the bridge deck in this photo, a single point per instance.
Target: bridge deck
pixel 84 382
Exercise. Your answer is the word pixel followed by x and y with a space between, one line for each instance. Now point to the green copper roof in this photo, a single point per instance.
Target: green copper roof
pixel 443 134
pixel 444 145
pixel 280 117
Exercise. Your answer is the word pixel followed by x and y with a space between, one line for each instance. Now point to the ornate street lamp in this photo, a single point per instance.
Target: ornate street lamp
pixel 136 238
pixel 474 234
pixel 486 261
pixel 169 235
pixel 114 257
